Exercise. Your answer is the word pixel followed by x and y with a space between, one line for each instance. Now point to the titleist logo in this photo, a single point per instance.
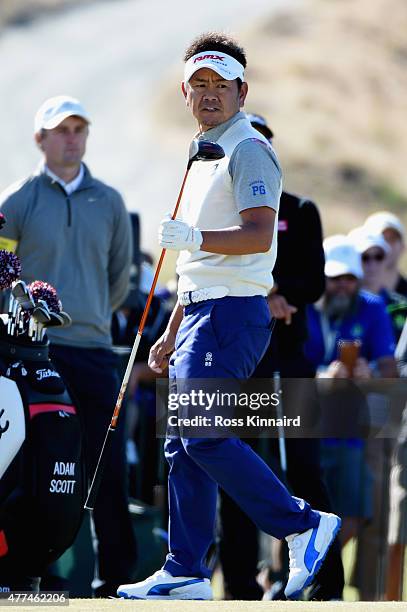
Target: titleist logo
pixel 213 57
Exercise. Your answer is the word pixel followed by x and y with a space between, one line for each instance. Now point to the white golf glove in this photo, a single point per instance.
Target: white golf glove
pixel 179 236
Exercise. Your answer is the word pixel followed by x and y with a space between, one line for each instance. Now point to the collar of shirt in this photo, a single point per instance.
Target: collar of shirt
pixel 70 187
pixel 216 132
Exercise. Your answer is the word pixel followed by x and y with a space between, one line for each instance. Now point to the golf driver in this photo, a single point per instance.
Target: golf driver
pixel 200 150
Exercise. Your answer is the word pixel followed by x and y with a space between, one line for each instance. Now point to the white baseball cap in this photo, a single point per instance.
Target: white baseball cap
pixel 341 257
pixel 380 221
pixel 223 64
pixel 54 110
pixel 363 239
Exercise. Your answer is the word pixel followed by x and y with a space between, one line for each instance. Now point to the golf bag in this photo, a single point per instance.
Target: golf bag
pixel 42 467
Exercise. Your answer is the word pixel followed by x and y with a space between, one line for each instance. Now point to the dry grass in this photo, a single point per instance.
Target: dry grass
pixel 339 101
pixel 331 78
pixel 101 605
pixel 339 104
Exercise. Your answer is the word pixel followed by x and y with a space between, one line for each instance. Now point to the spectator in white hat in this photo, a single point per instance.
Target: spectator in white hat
pixel 347 312
pixel 375 252
pixel 393 231
pixel 73 230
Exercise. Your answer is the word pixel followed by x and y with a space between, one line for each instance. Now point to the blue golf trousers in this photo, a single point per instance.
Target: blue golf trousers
pixel 235 332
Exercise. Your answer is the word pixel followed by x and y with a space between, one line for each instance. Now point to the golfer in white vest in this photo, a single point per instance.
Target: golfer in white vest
pixel 220 328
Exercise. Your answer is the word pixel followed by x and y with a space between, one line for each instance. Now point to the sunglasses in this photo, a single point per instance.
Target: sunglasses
pixel 343 277
pixel 377 257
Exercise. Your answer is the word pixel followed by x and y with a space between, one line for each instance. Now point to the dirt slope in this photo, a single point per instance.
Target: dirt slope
pixel 331 77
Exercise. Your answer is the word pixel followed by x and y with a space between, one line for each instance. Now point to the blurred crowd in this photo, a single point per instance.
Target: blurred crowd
pixel 340 306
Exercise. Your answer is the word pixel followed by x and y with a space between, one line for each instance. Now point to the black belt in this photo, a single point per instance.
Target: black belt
pixel 16 351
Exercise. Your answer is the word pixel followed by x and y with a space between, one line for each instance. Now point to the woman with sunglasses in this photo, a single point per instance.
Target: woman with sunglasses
pixel 374 251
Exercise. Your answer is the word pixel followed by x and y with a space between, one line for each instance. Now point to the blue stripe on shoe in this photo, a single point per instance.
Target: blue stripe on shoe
pixel 164 589
pixel 311 577
pixel 311 553
pixel 125 595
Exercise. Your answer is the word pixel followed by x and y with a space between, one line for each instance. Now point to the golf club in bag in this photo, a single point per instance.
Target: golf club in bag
pixel 200 150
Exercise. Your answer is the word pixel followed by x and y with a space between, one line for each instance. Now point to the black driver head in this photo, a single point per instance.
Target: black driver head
pixel 204 150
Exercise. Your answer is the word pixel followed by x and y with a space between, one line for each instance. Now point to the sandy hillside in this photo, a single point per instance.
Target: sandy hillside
pixel 330 75
pixel 331 78
pixel 19 12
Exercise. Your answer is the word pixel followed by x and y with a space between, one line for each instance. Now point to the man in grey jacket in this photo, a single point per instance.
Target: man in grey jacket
pixel 73 231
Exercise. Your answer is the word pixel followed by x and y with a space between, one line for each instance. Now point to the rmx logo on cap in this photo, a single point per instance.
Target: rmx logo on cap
pixel 54 110
pixel 223 64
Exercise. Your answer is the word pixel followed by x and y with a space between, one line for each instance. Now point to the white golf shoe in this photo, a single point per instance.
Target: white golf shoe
pixel 162 585
pixel 307 551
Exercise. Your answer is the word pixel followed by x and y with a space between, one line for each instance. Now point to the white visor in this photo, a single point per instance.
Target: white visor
pixel 224 65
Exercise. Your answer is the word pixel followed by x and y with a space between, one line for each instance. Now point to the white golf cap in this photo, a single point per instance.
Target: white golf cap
pixel 341 257
pixel 380 221
pixel 363 239
pixel 54 110
pixel 223 64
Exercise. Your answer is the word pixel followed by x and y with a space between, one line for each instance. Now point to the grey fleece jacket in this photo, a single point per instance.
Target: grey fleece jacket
pixel 81 244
